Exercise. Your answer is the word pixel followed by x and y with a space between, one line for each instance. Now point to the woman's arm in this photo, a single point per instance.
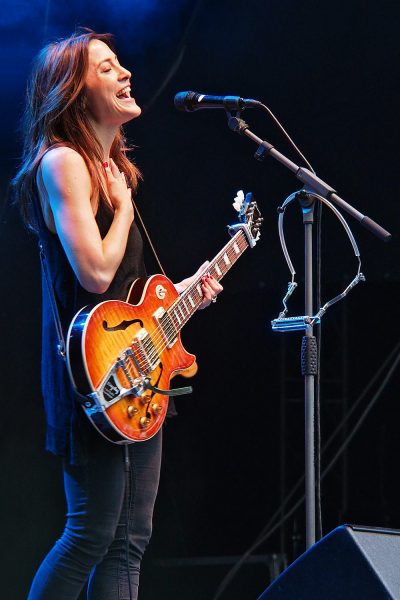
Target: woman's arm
pixel 67 185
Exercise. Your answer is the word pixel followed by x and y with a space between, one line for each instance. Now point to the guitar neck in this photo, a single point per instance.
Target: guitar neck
pixel 189 301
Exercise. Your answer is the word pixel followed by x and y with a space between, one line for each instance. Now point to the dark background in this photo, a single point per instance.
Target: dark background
pixel 330 73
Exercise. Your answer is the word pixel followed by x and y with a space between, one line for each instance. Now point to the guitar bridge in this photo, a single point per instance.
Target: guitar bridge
pixel 144 352
pixel 136 363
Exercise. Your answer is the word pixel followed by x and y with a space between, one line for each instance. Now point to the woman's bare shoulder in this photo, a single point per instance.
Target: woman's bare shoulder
pixel 64 172
pixel 63 157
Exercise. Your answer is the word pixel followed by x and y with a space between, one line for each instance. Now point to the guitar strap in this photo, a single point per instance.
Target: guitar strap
pixel 54 308
pixel 148 238
pixel 50 289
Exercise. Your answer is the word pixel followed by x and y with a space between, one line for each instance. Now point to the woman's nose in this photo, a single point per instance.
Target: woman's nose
pixel 125 74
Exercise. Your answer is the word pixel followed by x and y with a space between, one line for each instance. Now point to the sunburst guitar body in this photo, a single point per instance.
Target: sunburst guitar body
pixel 122 355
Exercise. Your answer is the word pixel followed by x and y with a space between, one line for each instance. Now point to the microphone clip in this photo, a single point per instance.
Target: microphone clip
pixel 235 123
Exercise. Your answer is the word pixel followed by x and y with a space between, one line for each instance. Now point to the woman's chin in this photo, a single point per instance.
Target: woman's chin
pixel 130 111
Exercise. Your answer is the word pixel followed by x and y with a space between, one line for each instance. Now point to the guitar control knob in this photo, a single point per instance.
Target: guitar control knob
pixel 132 410
pixel 156 408
pixel 144 422
pixel 145 399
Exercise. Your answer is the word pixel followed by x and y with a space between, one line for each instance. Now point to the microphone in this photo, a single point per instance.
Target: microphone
pixel 190 101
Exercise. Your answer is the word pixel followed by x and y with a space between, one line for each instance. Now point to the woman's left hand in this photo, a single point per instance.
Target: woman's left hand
pixel 210 286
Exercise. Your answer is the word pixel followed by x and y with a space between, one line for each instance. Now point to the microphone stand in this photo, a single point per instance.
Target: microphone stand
pixel 312 185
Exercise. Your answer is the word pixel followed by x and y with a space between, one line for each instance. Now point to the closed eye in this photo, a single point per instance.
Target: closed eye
pixel 108 62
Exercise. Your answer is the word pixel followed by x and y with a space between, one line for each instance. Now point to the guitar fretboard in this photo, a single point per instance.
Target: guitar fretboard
pixel 189 301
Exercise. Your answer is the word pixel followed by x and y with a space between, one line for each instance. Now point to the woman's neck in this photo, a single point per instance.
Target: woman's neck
pixel 106 135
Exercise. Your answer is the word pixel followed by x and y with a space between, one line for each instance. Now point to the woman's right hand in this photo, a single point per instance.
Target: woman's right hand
pixel 120 194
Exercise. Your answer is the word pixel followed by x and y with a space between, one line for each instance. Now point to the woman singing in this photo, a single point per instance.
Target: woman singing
pixel 74 189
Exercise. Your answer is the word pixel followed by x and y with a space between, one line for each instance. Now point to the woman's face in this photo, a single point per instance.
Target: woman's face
pixel 108 87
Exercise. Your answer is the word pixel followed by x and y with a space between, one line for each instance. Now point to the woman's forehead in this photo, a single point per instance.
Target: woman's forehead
pixel 99 51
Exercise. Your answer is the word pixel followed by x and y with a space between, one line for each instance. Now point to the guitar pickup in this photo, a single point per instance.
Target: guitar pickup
pixel 144 353
pixel 167 327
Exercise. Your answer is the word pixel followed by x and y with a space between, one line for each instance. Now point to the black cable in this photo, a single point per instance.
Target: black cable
pixel 285 133
pixel 127 467
pixel 231 574
pixel 178 60
pixel 46 21
pixel 362 396
pixel 363 416
pixel 269 529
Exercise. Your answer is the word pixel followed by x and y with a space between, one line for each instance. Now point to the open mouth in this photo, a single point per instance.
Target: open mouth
pixel 125 93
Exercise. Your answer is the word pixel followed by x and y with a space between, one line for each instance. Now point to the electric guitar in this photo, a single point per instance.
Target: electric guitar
pixel 122 355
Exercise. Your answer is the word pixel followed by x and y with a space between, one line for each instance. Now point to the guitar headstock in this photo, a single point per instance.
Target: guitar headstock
pixel 250 218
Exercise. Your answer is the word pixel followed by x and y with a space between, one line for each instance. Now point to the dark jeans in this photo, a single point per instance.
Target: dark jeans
pixel 93 544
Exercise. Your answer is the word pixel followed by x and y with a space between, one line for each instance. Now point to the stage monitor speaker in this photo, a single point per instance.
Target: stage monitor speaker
pixel 350 563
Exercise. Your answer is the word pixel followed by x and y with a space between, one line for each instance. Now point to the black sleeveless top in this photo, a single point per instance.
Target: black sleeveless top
pixel 68 429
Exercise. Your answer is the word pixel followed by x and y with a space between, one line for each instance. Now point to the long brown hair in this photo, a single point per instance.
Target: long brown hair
pixel 55 115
